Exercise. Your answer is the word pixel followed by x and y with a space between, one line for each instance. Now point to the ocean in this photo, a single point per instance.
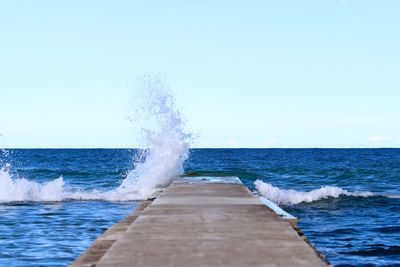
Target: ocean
pixel 55 202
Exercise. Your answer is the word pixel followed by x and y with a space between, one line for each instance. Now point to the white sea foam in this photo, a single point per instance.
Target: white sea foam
pixel 23 190
pixel 166 148
pixel 165 138
pixel 393 196
pixel 20 189
pixel 291 197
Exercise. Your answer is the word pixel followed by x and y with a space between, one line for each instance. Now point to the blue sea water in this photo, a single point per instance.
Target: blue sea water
pixel 351 230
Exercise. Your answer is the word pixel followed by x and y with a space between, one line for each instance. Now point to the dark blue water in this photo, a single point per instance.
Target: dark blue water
pixel 55 233
pixel 350 230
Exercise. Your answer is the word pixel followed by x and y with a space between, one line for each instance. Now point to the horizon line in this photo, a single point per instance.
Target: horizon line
pixel 127 148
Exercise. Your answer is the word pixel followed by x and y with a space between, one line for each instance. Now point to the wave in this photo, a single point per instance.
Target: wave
pixel 167 147
pixel 20 189
pixel 24 190
pixel 375 251
pixel 393 196
pixel 292 197
pixel 166 139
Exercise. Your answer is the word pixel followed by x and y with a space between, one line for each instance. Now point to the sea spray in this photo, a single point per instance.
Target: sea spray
pixel 166 141
pixel 292 197
pixel 20 189
pixel 166 147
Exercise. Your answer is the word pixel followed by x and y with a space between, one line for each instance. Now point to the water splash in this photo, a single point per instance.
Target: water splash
pixel 166 148
pixel 292 197
pixel 166 140
pixel 20 189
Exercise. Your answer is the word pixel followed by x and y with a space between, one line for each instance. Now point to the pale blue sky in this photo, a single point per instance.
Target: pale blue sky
pixel 244 73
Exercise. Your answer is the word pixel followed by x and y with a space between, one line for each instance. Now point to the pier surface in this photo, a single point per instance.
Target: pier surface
pixel 207 224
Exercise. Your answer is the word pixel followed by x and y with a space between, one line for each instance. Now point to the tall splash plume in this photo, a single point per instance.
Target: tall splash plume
pixel 292 197
pixel 166 148
pixel 167 143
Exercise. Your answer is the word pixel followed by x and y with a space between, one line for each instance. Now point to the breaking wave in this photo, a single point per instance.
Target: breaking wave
pixel 166 139
pixel 24 190
pixel 20 189
pixel 166 148
pixel 292 197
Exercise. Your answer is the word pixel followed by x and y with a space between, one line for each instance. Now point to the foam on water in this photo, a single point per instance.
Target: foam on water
pixel 20 189
pixel 167 142
pixel 292 197
pixel 23 190
pixel 166 148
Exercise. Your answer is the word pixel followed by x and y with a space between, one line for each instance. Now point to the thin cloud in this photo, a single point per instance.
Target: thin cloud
pixel 232 141
pixel 381 138
pixel 344 2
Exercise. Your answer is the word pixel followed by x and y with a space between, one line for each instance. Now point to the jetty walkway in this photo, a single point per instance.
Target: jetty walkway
pixel 203 221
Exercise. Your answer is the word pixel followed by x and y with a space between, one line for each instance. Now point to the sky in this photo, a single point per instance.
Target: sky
pixel 244 73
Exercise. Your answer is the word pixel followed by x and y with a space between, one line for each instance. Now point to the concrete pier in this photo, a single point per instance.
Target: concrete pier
pixel 206 222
